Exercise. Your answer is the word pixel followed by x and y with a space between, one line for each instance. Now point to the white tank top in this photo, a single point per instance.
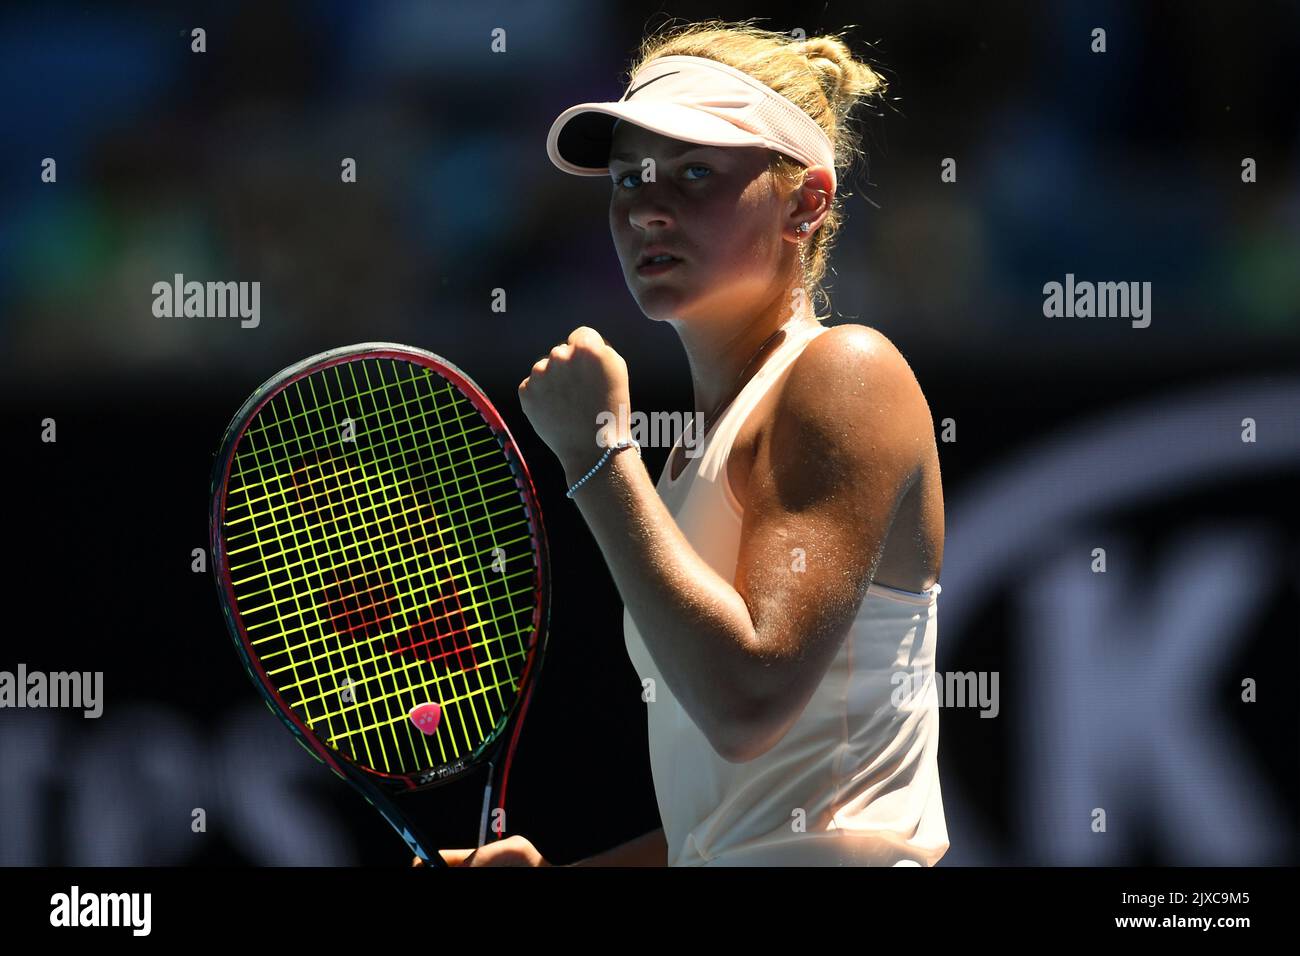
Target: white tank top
pixel 855 780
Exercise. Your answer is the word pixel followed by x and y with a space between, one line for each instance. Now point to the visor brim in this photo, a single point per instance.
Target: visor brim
pixel 580 138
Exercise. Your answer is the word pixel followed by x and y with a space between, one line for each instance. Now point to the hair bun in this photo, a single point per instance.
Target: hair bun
pixel 844 78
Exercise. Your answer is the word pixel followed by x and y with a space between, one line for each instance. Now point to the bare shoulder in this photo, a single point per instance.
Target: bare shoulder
pixel 854 375
pixel 848 409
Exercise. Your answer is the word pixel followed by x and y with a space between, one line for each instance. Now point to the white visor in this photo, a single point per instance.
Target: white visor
pixel 696 100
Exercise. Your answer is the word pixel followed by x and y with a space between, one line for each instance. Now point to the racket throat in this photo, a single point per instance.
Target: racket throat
pixel 487 805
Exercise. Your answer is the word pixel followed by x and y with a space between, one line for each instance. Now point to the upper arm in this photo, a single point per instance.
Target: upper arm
pixel 849 433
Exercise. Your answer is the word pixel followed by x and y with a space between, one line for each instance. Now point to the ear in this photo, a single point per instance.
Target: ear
pixel 811 202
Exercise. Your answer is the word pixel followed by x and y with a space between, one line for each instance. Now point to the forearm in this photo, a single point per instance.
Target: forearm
pixel 650 849
pixel 696 627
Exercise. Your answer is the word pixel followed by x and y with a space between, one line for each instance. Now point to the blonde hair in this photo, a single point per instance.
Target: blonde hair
pixel 819 74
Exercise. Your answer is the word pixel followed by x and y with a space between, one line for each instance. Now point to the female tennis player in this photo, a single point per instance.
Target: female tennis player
pixel 780 579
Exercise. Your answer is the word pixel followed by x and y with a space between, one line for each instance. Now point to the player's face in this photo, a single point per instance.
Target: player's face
pixel 714 208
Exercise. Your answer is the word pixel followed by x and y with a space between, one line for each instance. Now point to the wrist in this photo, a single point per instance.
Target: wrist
pixel 578 475
pixel 578 461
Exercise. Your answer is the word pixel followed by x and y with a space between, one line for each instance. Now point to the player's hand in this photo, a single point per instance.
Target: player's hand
pixel 566 393
pixel 512 851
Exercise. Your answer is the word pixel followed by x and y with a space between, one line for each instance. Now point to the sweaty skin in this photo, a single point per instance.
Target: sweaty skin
pixel 839 459
pixel 745 656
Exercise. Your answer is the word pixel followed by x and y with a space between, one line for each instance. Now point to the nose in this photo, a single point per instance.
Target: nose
pixel 647 211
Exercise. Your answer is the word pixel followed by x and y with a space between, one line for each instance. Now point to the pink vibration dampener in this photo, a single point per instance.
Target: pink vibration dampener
pixel 426 717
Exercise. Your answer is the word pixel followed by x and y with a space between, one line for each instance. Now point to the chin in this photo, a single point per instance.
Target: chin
pixel 656 309
pixel 659 304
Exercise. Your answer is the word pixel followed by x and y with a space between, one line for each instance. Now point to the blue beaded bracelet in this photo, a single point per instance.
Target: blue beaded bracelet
pixel 619 446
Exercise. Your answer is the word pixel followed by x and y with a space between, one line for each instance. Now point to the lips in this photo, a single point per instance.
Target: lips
pixel 650 253
pixel 657 268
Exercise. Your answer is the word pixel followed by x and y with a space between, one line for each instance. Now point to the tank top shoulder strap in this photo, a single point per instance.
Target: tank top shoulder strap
pixel 717 446
pixel 797 336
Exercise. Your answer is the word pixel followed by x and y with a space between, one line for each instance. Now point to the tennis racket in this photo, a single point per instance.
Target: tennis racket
pixel 382 567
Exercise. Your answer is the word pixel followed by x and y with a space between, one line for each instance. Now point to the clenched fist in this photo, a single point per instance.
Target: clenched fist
pixel 565 393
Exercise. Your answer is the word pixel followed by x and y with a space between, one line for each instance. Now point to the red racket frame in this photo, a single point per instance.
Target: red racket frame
pixel 378 787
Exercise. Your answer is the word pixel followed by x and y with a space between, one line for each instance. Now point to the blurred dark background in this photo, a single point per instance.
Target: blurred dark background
pixel 1119 690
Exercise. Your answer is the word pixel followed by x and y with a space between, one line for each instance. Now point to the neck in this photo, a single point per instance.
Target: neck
pixel 723 355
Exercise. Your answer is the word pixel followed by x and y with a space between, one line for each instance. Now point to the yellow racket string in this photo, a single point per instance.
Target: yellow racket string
pixel 381 558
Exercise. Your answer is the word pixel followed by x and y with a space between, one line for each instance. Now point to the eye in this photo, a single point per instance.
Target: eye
pixel 620 179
